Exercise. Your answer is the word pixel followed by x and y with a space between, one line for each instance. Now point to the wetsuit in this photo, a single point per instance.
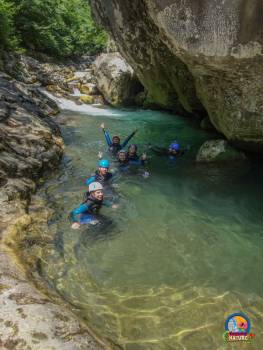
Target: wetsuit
pixel 136 160
pixel 123 165
pixel 99 178
pixel 133 158
pixel 88 210
pixel 116 148
pixel 162 151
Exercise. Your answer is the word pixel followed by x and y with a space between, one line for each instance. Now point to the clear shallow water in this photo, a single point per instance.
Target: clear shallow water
pixel 183 250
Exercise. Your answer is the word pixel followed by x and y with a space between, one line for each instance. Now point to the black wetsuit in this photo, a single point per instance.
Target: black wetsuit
pixel 103 179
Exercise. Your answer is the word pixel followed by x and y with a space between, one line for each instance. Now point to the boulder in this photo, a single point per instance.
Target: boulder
pixel 194 56
pixel 89 89
pixel 29 140
pixel 98 99
pixel 87 99
pixel 116 79
pixel 219 151
pixel 30 71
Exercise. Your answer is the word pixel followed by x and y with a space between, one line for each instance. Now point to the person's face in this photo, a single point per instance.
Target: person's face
pixel 122 157
pixel 173 151
pixel 103 171
pixel 115 140
pixel 97 194
pixel 132 150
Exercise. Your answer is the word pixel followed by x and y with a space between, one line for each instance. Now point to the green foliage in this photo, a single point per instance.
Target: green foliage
pixel 7 28
pixel 61 28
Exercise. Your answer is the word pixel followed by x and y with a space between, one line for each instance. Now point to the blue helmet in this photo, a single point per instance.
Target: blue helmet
pixel 104 163
pixel 175 146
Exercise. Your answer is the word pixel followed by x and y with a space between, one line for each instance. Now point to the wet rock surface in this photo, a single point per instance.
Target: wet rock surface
pixel 31 319
pixel 196 55
pixel 116 79
pixel 30 140
pixel 30 145
pixel 219 151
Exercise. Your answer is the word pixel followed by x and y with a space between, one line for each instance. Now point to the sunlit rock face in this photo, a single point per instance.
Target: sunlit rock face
pixel 115 79
pixel 196 55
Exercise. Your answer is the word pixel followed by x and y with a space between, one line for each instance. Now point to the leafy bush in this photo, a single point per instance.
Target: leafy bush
pixel 8 39
pixel 61 28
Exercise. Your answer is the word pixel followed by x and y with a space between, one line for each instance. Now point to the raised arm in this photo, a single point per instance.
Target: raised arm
pixel 106 135
pixel 125 142
pixel 160 151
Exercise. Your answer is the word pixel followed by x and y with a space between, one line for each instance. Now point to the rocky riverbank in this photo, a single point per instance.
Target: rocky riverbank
pixel 30 145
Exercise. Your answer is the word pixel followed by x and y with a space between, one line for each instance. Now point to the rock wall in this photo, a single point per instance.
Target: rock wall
pixel 30 143
pixel 167 79
pixel 194 54
pixel 116 80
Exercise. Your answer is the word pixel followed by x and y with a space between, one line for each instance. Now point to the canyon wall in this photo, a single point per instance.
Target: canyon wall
pixel 195 56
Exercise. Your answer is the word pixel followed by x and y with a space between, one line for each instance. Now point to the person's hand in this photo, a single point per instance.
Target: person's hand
pixel 146 174
pixel 115 206
pixel 100 154
pixel 102 125
pixel 75 226
pixel 144 156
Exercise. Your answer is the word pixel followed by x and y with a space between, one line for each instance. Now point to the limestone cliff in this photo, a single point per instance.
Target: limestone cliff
pixel 194 54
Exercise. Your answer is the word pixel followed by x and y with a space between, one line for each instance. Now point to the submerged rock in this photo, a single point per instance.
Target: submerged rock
pixel 219 151
pixel 194 55
pixel 116 79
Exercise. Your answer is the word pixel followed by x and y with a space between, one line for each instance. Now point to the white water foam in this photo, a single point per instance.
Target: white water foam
pixel 68 105
pixel 76 92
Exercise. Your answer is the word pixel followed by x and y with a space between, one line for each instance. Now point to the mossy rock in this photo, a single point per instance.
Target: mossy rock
pixel 89 89
pixel 219 151
pixel 87 99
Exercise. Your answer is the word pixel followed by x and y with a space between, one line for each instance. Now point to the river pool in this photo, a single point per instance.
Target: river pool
pixel 182 251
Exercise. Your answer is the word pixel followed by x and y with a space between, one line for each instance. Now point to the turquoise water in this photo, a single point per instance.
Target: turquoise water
pixel 182 251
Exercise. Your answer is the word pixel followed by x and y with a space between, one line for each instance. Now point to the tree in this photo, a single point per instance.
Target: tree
pixel 60 28
pixel 8 39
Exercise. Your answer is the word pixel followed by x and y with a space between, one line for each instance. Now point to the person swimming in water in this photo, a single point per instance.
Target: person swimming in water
pixel 122 159
pixel 88 211
pixel 124 163
pixel 173 152
pixel 102 175
pixel 133 157
pixel 115 144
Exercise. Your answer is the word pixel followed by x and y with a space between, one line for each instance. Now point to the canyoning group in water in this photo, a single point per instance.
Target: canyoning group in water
pixel 102 179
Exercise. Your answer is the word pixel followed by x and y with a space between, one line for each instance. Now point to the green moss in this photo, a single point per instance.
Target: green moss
pixel 230 154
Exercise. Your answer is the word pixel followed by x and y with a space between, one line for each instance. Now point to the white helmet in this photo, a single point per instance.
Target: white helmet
pixel 95 186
